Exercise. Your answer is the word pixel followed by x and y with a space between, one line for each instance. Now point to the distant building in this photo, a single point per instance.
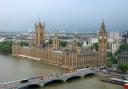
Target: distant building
pixel 92 41
pixel 7 35
pixel 125 38
pixel 123 57
pixel 85 45
pixel 30 37
pixel 2 39
pixel 114 41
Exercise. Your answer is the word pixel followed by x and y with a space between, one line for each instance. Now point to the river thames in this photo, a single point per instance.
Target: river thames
pixel 13 68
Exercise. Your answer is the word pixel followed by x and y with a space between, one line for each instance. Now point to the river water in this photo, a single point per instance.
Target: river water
pixel 13 68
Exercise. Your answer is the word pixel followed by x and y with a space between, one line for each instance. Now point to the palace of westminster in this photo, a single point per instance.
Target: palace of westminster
pixel 69 57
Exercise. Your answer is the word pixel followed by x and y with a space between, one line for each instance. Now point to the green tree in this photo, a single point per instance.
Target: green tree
pixel 111 59
pixel 109 54
pixel 123 47
pixel 79 43
pixel 6 47
pixel 24 43
pixel 50 41
pixel 123 67
pixel 63 43
pixel 96 46
pixel 108 64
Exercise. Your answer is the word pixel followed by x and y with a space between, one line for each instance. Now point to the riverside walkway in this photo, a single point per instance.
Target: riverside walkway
pixel 45 79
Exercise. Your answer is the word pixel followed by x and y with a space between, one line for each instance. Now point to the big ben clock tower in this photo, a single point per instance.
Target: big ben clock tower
pixel 102 49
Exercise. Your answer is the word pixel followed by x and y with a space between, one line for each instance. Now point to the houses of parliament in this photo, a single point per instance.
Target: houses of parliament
pixel 70 57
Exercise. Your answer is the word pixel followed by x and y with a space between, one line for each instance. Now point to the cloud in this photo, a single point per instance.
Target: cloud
pixel 61 13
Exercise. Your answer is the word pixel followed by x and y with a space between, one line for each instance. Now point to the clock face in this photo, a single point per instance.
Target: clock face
pixel 100 37
pixel 105 37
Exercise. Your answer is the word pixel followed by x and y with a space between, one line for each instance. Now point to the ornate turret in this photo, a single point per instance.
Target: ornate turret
pixel 73 45
pixel 15 49
pixel 94 49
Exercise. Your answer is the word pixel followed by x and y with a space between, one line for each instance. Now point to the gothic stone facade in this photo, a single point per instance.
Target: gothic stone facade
pixel 68 58
pixel 72 60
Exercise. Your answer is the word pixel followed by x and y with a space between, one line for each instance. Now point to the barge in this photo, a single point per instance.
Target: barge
pixel 116 81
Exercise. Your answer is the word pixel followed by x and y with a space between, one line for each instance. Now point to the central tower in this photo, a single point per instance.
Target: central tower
pixel 56 42
pixel 39 34
pixel 102 49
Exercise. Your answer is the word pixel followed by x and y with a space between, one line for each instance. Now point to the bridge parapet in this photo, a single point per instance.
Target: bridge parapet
pixel 9 85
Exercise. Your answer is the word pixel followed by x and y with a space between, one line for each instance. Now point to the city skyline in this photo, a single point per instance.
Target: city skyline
pixel 64 15
pixel 45 42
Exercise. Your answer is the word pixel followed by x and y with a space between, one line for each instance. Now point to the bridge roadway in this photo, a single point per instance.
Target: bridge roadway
pixel 43 80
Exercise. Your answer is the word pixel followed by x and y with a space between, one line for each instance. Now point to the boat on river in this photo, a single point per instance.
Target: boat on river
pixel 126 86
pixel 116 81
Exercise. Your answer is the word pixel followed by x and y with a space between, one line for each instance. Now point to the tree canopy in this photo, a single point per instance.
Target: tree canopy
pixel 63 43
pixel 6 47
pixel 123 47
pixel 123 67
pixel 95 45
pixel 23 43
pixel 111 59
pixel 79 44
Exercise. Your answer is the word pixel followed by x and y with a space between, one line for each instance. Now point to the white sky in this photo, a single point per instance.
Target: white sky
pixel 69 15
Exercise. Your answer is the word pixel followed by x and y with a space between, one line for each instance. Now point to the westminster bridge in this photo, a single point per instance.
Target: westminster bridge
pixel 46 79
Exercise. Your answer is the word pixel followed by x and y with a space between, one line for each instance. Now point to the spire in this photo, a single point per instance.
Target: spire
pixel 43 24
pixel 35 24
pixel 39 22
pixel 94 50
pixel 102 25
pixel 102 29
pixel 39 19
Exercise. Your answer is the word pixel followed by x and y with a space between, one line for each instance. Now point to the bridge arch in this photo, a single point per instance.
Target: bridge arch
pixel 30 86
pixel 89 74
pixel 73 77
pixel 53 81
